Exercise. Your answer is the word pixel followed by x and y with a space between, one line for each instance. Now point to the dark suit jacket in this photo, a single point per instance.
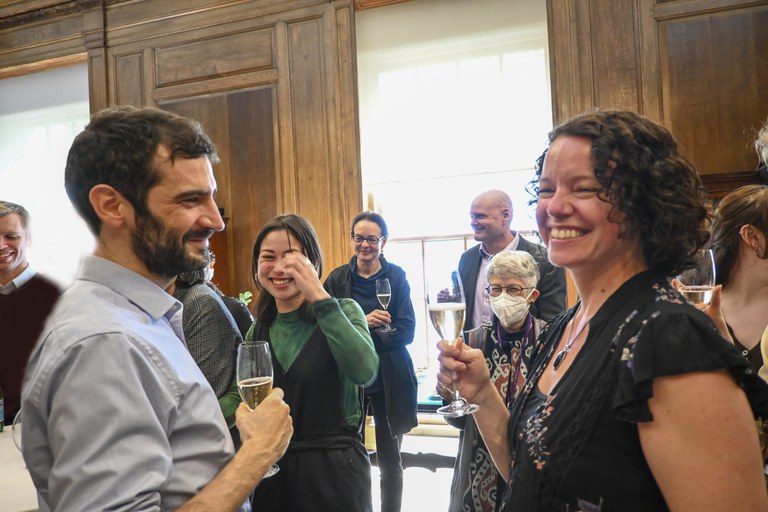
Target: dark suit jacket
pixel 551 281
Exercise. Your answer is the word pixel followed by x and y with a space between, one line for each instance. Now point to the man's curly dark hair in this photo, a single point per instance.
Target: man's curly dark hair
pixel 643 175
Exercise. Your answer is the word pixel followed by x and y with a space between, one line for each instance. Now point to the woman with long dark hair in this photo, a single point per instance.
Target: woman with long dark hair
pixel 322 355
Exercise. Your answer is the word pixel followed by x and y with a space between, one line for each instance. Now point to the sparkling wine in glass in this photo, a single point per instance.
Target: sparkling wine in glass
pixel 254 377
pixel 696 283
pixel 447 309
pixel 384 294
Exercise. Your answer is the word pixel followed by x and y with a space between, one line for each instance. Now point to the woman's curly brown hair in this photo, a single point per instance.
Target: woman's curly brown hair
pixel 644 176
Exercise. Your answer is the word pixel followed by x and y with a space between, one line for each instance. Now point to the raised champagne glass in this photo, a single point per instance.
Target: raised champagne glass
pixel 447 308
pixel 696 283
pixel 254 377
pixel 384 295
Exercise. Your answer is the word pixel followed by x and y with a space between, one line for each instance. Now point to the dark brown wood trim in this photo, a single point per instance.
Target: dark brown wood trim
pixel 688 8
pixel 721 184
pixel 47 13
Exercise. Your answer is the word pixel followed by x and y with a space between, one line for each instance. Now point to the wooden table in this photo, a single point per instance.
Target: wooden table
pixel 17 494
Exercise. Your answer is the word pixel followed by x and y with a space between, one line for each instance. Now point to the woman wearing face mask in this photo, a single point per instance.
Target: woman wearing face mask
pixel 508 343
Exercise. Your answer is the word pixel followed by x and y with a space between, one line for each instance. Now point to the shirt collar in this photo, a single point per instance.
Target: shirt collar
pixel 135 287
pixel 19 281
pixel 511 247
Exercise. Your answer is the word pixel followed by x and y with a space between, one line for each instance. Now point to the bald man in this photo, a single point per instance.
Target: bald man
pixel 491 218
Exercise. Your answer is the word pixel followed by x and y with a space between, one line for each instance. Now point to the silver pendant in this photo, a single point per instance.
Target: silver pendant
pixel 559 358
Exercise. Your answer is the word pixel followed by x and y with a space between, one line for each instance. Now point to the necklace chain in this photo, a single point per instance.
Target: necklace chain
pixel 560 357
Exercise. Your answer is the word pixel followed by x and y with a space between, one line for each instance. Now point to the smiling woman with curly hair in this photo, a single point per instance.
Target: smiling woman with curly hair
pixel 632 393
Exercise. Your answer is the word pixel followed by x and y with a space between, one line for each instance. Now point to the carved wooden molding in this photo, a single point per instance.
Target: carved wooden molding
pixel 46 13
pixel 721 184
pixel 370 4
pixel 688 8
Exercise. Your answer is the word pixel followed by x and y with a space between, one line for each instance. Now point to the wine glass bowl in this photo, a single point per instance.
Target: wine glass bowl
pixel 16 430
pixel 696 283
pixel 384 295
pixel 254 377
pixel 447 308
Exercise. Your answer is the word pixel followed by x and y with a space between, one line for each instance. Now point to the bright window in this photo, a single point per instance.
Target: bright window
pixel 40 114
pixel 454 102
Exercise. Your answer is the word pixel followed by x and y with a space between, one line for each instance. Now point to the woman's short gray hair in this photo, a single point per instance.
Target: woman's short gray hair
pixel 514 265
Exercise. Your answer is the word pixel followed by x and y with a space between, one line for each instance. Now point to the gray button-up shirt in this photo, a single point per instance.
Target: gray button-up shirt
pixel 116 414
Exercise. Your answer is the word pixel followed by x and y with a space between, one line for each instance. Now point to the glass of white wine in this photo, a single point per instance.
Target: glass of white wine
pixel 696 283
pixel 254 377
pixel 384 294
pixel 447 308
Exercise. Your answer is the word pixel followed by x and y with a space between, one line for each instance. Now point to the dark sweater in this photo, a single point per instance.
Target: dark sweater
pixel 22 317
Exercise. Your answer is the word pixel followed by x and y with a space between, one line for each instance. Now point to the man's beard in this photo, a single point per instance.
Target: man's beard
pixel 162 250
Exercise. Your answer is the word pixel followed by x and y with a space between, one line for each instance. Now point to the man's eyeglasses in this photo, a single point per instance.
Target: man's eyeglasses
pixel 372 240
pixel 512 290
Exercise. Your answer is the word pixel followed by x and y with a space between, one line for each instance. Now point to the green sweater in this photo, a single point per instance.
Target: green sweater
pixel 346 331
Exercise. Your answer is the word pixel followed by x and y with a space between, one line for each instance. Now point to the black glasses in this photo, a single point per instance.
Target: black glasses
pixel 372 240
pixel 512 290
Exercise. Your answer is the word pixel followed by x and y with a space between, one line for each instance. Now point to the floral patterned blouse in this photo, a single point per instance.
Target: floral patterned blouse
pixel 578 449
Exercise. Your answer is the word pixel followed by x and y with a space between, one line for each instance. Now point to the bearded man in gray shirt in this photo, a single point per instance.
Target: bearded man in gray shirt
pixel 116 414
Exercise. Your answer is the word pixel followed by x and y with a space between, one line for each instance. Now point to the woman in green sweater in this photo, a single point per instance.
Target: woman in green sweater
pixel 322 355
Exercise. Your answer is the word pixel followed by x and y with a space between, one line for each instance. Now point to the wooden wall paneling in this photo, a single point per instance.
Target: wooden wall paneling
pixel 615 55
pixel 211 111
pixel 208 58
pixel 273 81
pixel 348 172
pixel 564 51
pixel 29 38
pixel 253 173
pixel 649 73
pixel 312 181
pixel 129 79
pixel 595 60
pixel 307 58
pixel 285 180
pixel 714 94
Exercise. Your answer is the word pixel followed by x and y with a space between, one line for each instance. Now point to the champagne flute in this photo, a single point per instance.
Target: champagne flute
pixel 384 294
pixel 696 283
pixel 447 308
pixel 16 430
pixel 254 377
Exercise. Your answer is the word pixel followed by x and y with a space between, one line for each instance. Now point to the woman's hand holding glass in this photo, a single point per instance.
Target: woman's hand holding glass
pixel 464 367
